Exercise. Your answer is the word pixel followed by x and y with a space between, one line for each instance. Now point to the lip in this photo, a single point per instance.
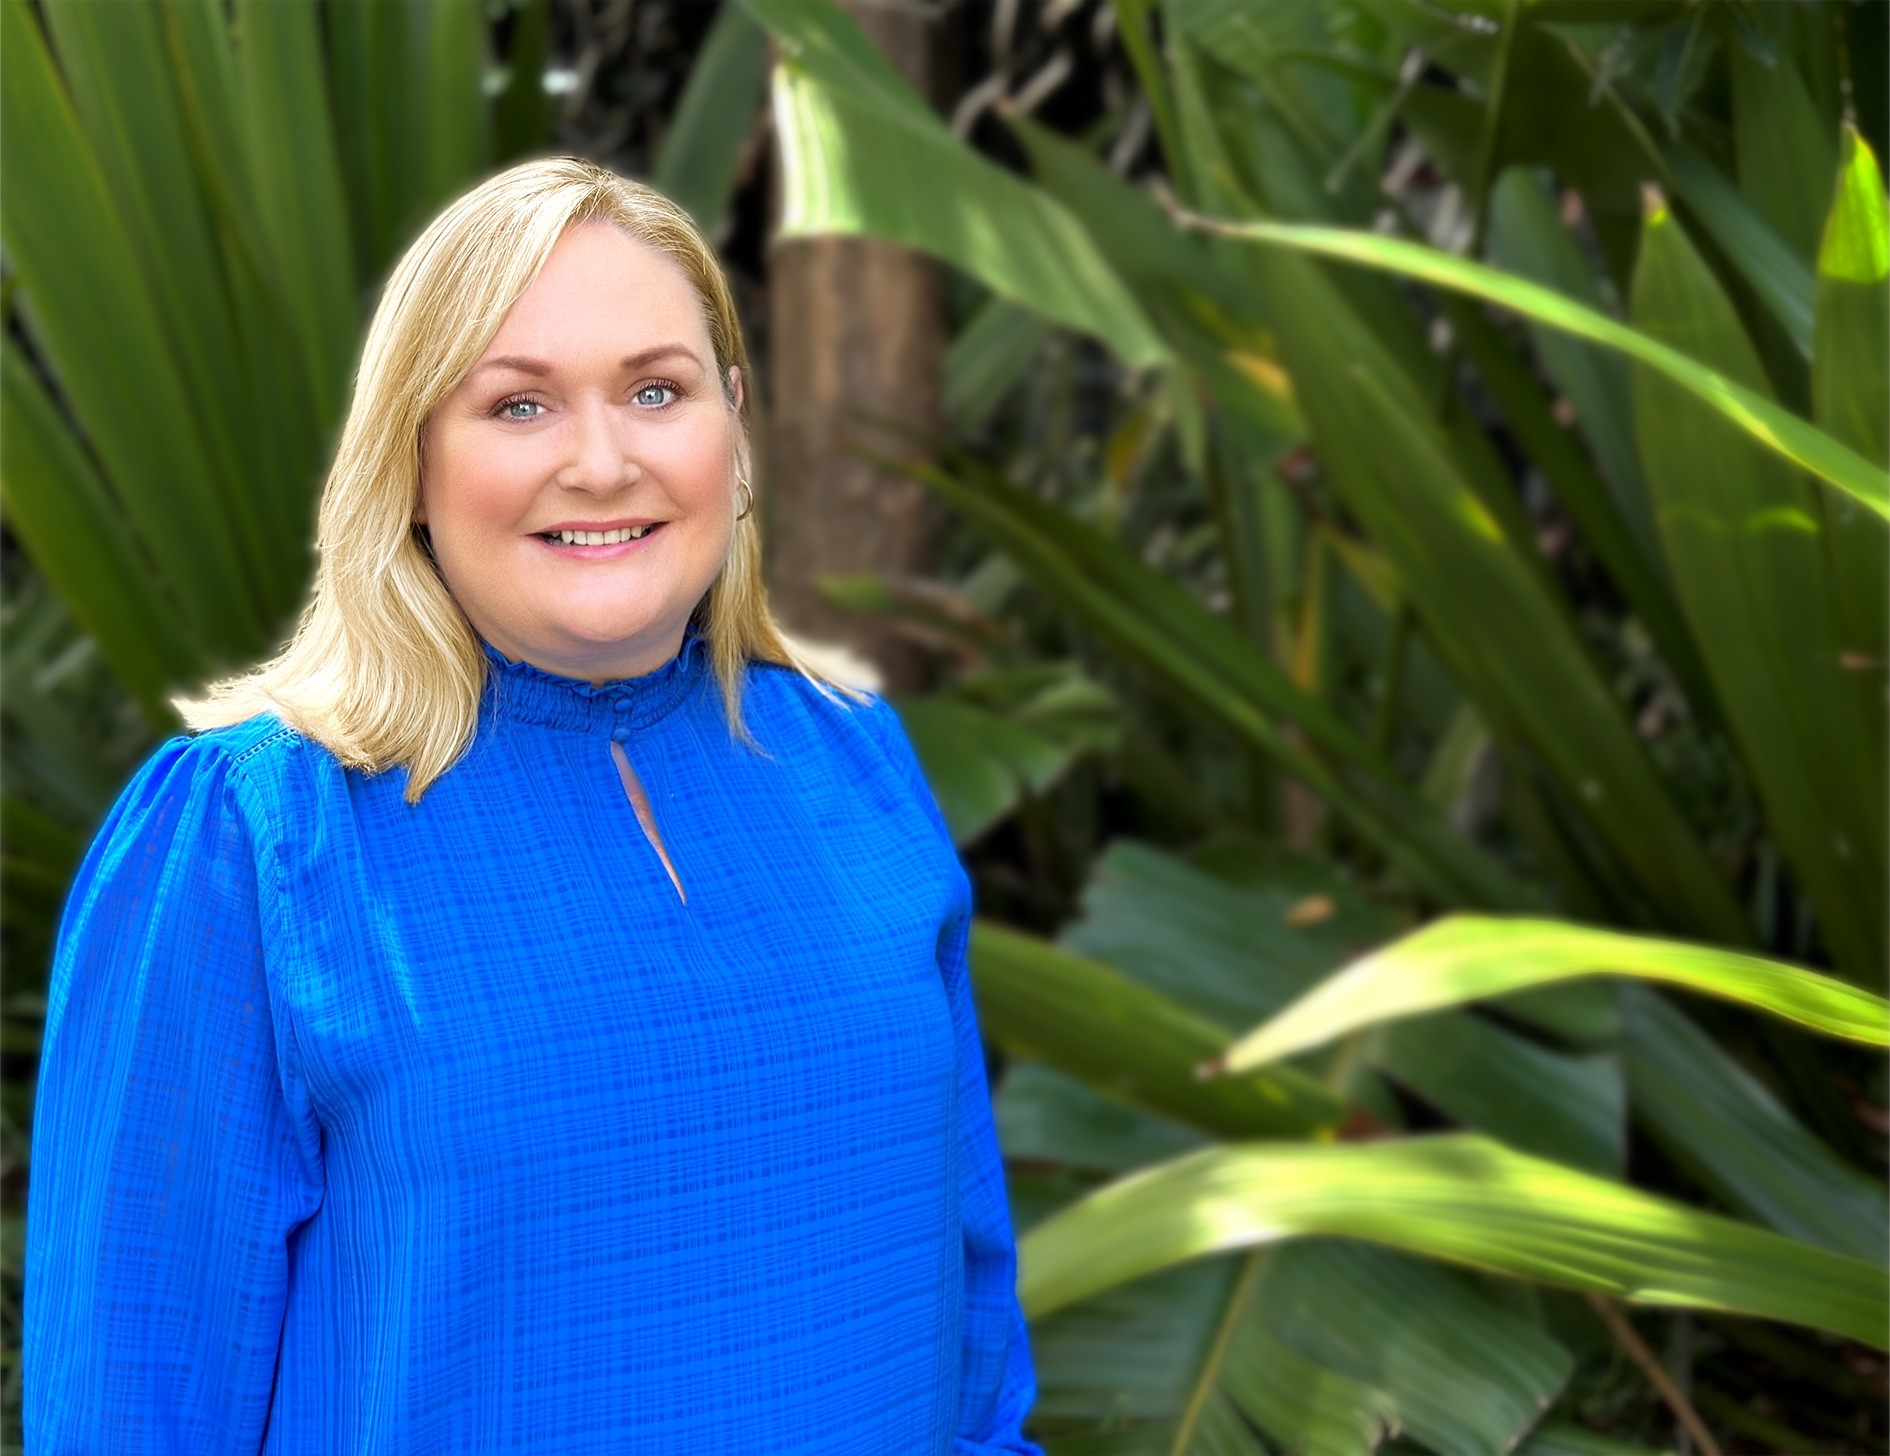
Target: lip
pixel 599 553
pixel 616 525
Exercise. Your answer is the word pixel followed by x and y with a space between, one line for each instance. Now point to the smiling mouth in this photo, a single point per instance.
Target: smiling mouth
pixel 601 538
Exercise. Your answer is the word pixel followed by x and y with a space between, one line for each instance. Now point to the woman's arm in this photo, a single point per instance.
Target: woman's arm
pixel 168 1164
pixel 997 1381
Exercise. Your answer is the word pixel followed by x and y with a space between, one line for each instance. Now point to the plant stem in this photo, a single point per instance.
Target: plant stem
pixel 1629 1339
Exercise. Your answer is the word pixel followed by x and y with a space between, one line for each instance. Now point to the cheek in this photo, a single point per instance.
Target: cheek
pixel 470 489
pixel 700 480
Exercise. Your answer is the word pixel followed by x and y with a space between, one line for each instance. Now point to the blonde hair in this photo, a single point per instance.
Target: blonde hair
pixel 384 668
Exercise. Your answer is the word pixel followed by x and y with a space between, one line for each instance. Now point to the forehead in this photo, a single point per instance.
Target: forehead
pixel 600 283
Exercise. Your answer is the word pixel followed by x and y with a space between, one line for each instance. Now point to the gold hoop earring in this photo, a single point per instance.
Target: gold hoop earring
pixel 743 514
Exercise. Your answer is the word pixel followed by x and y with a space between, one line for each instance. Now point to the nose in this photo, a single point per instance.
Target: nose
pixel 600 458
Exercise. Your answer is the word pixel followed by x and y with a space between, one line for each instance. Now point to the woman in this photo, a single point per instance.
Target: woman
pixel 530 1012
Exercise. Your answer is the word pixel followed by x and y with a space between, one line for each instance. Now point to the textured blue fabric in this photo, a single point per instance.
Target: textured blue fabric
pixel 369 1128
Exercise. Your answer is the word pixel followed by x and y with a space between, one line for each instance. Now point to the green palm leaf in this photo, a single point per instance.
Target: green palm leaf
pixel 1776 428
pixel 1461 1198
pixel 1465 958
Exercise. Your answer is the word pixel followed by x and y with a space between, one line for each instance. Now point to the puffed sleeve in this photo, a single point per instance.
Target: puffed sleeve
pixel 170 1162
pixel 997 1382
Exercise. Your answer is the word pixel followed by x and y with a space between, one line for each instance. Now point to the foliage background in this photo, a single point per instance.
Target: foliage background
pixel 1285 606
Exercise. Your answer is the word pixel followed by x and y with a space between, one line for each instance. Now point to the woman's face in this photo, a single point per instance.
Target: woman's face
pixel 594 408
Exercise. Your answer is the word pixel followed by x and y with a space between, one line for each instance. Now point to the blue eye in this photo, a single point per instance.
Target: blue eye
pixel 504 409
pixel 518 399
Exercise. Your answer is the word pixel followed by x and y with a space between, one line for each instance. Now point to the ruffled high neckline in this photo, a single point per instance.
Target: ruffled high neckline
pixel 524 691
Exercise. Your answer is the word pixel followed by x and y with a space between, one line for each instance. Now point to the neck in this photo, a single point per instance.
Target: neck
pixel 602 664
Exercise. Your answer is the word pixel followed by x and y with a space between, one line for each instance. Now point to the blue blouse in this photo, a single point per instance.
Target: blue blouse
pixel 373 1128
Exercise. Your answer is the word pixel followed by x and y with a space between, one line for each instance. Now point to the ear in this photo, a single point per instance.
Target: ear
pixel 735 383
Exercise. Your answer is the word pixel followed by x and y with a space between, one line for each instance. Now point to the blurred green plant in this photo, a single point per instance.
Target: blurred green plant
pixel 1685 238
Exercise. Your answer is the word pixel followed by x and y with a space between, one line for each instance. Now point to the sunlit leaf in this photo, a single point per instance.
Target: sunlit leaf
pixel 1744 535
pixel 1461 1198
pixel 1777 429
pixel 1465 958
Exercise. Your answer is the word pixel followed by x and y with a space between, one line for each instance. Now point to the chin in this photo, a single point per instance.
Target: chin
pixel 603 633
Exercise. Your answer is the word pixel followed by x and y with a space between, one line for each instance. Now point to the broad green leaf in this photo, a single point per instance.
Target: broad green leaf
pixel 980 764
pixel 1528 237
pixel 1506 638
pixel 1744 535
pixel 59 509
pixel 1168 634
pixel 1722 1124
pixel 1325 1345
pixel 66 729
pixel 1230 943
pixel 1508 374
pixel 1569 1108
pixel 1581 1015
pixel 415 71
pixel 1460 1198
pixel 86 305
pixel 1248 928
pixel 525 114
pixel 1559 113
pixel 1126 1362
pixel 1260 42
pixel 727 86
pixel 49 847
pixel 987 358
pixel 449 89
pixel 276 391
pixel 295 177
pixel 1044 1116
pixel 1193 289
pixel 850 147
pixel 1465 958
pixel 375 72
pixel 1759 417
pixel 1458 1373
pixel 1853 263
pixel 35 871
pixel 1126 1041
pixel 1786 156
pixel 1780 278
pixel 114 64
pixel 1850 380
pixel 1304 1405
pixel 826 43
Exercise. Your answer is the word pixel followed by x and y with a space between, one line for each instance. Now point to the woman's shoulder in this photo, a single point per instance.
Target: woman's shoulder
pixel 188 804
pixel 266 768
pixel 864 740
pixel 785 700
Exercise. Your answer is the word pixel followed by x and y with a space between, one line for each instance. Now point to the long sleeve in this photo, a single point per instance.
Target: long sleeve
pixel 997 1380
pixel 172 1155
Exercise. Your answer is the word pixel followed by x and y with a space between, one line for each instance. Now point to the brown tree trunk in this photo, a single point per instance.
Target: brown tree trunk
pixel 855 324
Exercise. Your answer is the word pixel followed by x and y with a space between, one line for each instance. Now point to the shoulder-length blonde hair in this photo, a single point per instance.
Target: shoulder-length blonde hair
pixel 384 668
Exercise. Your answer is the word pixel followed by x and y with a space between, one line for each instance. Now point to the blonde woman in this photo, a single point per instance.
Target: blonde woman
pixel 529 1013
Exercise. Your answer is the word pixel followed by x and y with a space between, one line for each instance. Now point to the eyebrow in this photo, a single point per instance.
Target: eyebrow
pixel 629 361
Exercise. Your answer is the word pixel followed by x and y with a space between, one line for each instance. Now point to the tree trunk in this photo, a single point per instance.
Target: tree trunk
pixel 855 324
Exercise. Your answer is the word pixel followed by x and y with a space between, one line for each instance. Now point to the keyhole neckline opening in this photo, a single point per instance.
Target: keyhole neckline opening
pixel 639 799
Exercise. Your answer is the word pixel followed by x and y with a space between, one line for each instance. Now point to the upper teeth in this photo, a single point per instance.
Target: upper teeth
pixel 604 538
